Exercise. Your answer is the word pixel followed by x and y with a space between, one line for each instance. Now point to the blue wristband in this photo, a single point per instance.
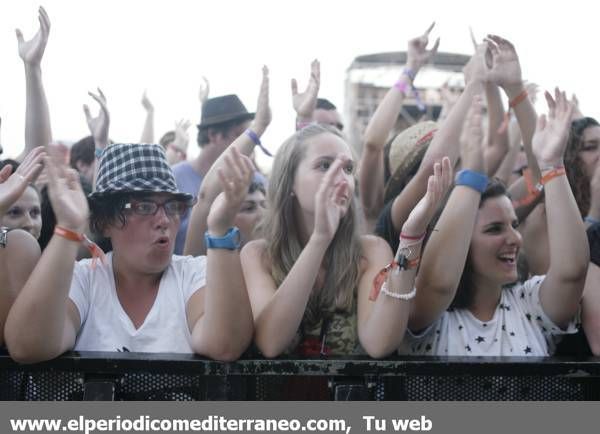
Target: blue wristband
pixel 469 178
pixel 254 137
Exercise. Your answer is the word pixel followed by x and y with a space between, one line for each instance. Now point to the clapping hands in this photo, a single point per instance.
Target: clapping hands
pixel 550 139
pixel 235 176
pixel 437 187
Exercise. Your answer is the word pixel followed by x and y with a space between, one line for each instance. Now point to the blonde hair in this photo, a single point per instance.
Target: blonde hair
pixel 280 229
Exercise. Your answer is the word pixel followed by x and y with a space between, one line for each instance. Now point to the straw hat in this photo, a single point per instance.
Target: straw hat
pixel 406 152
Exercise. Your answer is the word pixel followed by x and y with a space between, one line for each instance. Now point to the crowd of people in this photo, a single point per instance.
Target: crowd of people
pixel 474 234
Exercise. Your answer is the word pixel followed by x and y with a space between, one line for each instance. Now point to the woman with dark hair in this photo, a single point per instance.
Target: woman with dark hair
pixel 463 304
pixel 19 250
pixel 140 297
pixel 312 279
pixel 581 160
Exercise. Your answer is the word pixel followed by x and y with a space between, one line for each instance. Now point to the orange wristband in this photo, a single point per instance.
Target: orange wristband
pixel 94 249
pixel 511 105
pixel 554 173
pixel 533 190
pixel 518 99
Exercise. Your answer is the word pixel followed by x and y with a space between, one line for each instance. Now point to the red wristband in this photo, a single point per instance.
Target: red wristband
pixel 412 237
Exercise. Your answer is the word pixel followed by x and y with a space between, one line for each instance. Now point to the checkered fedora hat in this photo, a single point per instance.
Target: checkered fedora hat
pixel 135 167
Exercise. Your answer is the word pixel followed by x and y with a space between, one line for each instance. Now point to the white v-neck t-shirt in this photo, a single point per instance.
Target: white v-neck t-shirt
pixel 519 327
pixel 106 327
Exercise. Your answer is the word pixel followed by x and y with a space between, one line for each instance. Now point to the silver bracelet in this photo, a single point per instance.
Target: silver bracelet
pixel 408 296
pixel 3 237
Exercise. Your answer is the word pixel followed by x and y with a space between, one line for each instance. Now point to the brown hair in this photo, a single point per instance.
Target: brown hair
pixel 578 180
pixel 279 228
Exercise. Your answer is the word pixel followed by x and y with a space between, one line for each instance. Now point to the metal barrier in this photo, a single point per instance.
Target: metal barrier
pixel 141 376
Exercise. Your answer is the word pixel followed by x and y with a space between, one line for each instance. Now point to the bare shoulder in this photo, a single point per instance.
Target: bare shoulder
pixel 21 245
pixel 255 247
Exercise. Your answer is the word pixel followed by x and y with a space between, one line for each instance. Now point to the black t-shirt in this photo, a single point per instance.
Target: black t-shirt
pixel 385 227
pixel 593 233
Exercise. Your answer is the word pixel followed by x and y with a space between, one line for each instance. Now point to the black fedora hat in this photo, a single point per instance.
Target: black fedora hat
pixel 223 109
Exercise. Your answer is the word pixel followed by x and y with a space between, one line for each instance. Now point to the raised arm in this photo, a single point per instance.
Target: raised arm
pixel 211 187
pixel 370 175
pixel 496 147
pixel 278 311
pixel 382 323
pixel 562 288
pixel 442 266
pixel 219 316
pixel 43 322
pixel 305 102
pixel 505 71
pixel 445 142
pixel 148 131
pixel 37 114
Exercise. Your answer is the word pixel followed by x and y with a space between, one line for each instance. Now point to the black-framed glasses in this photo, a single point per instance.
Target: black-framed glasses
pixel 173 208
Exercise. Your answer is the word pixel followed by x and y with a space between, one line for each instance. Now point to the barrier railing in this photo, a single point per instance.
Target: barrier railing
pixel 141 376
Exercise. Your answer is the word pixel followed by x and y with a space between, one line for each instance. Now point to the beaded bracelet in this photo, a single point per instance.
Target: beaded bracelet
pixel 398 295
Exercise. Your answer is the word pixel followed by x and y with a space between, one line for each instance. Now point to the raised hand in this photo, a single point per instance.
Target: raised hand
pixel 417 54
pixel 262 118
pixel 32 51
pixel 66 195
pixel 235 175
pixel 503 62
pixel 204 90
pixel 550 138
pixel 13 186
pixel 181 134
pixel 437 186
pixel 98 125
pixel 306 102
pixel 146 103
pixel 331 201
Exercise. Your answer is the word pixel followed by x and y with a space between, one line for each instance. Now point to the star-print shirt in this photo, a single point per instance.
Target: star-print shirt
pixel 519 327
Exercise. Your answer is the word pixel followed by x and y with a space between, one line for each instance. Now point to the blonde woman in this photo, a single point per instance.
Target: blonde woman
pixel 311 278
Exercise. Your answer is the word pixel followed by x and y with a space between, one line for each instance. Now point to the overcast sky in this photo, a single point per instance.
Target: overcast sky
pixel 126 46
